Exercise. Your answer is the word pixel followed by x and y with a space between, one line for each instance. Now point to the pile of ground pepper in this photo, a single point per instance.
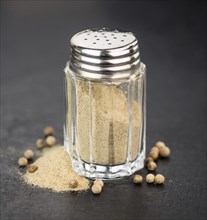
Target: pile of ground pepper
pixel 55 171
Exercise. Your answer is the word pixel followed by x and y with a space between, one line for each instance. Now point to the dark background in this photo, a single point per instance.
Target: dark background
pixel 34 49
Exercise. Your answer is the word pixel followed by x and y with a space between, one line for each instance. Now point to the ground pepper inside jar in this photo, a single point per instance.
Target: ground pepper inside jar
pixel 110 115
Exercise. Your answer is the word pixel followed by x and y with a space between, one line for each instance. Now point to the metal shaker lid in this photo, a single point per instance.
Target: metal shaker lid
pixel 104 53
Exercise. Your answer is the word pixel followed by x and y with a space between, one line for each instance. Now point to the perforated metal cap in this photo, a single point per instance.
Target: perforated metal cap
pixel 104 53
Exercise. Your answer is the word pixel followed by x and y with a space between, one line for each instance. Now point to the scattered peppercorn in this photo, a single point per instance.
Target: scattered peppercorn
pixel 29 154
pixel 40 143
pixel 150 178
pixel 160 144
pixel 48 131
pixel 50 140
pixel 155 148
pixel 164 151
pixel 151 166
pixel 32 168
pixel 149 159
pixel 22 161
pixel 73 184
pixel 96 189
pixel 159 179
pixel 154 154
pixel 100 182
pixel 138 179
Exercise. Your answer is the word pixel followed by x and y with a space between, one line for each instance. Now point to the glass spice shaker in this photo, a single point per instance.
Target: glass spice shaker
pixel 104 130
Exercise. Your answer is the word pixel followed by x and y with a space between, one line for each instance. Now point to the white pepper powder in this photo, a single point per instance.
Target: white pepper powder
pixel 103 111
pixel 55 172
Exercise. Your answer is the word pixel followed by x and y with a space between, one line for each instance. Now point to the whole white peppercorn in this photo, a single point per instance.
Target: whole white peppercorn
pixel 73 184
pixel 151 166
pixel 160 144
pixel 32 168
pixel 48 131
pixel 99 181
pixel 50 140
pixel 155 148
pixel 164 151
pixel 22 161
pixel 159 179
pixel 40 143
pixel 96 189
pixel 138 179
pixel 154 154
pixel 29 154
pixel 150 178
pixel 149 159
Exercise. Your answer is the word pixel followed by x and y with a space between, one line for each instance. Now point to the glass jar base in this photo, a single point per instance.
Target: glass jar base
pixel 94 171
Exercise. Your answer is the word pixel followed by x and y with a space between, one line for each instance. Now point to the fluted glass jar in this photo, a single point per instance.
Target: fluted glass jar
pixel 104 130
